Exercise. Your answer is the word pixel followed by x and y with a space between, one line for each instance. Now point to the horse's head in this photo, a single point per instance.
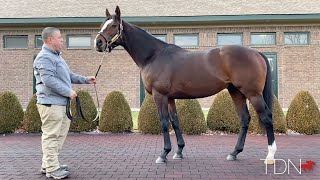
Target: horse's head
pixel 109 36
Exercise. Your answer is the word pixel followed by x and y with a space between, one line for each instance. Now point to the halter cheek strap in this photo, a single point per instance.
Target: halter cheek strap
pixel 116 36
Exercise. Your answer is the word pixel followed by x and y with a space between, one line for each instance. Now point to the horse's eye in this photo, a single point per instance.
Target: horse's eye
pixel 114 25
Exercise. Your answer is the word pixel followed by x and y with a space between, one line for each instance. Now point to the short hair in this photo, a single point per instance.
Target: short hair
pixel 48 32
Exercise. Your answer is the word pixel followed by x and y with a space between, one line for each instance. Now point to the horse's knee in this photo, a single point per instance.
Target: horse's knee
pixel 165 125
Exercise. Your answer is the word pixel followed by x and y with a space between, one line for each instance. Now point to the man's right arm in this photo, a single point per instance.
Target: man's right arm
pixel 47 71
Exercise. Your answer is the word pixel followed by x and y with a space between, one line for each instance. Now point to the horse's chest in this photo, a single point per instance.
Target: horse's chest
pixel 155 81
pixel 147 81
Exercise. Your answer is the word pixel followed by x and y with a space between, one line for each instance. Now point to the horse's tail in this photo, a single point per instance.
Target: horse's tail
pixel 268 90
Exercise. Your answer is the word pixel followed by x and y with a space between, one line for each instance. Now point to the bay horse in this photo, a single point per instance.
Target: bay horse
pixel 170 72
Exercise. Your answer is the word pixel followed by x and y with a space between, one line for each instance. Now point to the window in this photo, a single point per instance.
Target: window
pixel 79 41
pixel 162 37
pixel 186 40
pixel 263 39
pixel 229 39
pixel 38 41
pixel 16 41
pixel 296 38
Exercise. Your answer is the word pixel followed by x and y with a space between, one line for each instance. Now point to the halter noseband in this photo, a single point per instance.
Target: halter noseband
pixel 114 38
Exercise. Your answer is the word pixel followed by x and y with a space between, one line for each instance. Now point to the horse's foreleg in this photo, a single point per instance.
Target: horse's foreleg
pixel 265 115
pixel 161 102
pixel 176 128
pixel 240 103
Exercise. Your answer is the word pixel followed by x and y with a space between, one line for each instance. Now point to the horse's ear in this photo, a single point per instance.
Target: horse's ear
pixel 118 12
pixel 108 15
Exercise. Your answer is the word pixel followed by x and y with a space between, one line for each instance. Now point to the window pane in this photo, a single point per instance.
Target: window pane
pixel 79 41
pixel 39 41
pixel 190 40
pixel 229 39
pixel 296 38
pixel 263 39
pixel 161 37
pixel 16 42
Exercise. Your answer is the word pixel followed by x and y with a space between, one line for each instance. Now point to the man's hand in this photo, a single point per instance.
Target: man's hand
pixel 73 94
pixel 92 80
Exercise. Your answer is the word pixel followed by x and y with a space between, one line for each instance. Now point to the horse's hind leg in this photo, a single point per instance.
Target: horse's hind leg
pixel 176 127
pixel 265 115
pixel 240 103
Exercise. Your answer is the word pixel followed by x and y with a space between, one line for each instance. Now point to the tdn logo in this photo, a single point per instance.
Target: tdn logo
pixel 285 166
pixel 308 166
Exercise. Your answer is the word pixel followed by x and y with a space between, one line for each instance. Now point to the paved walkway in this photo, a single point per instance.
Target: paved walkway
pixel 132 156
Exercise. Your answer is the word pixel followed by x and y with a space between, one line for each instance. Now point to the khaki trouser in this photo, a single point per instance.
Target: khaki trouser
pixel 55 127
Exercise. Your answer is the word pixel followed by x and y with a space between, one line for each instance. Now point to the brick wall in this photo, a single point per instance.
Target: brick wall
pixel 298 66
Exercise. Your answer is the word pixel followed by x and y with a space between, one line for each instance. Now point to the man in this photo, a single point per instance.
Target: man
pixel 53 79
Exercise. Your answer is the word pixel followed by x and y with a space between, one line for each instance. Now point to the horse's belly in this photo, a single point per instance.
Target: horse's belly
pixel 189 90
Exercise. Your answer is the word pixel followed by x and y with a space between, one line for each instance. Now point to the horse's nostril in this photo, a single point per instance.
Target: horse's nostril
pixel 99 42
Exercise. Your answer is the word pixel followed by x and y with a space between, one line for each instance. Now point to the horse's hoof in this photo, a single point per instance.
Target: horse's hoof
pixel 177 156
pixel 161 160
pixel 269 161
pixel 231 157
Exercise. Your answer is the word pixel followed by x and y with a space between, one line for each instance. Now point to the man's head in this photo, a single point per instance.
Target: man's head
pixel 52 38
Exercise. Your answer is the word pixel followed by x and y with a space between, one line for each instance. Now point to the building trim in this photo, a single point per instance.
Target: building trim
pixel 168 19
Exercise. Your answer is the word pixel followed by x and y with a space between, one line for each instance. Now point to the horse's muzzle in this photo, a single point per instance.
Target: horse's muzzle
pixel 100 47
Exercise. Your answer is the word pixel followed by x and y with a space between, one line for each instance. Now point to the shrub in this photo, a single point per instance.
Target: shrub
pixel 116 114
pixel 148 118
pixel 279 120
pixel 11 112
pixel 192 120
pixel 32 121
pixel 303 114
pixel 222 114
pixel 89 112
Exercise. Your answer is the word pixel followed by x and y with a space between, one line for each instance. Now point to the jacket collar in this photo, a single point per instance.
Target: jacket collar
pixel 51 50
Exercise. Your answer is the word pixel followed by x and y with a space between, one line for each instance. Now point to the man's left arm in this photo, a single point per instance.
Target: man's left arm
pixel 77 79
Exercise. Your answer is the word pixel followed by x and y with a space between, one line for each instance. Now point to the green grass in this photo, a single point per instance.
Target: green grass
pixel 135 119
pixel 205 112
pixel 136 113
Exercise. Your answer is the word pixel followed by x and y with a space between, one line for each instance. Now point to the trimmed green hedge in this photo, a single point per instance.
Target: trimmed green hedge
pixel 148 118
pixel 32 121
pixel 11 112
pixel 191 117
pixel 116 114
pixel 222 114
pixel 89 112
pixel 303 114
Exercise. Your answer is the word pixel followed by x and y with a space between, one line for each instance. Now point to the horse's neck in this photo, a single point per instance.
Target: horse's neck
pixel 140 45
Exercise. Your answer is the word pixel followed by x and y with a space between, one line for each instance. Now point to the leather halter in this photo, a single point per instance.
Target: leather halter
pixel 114 38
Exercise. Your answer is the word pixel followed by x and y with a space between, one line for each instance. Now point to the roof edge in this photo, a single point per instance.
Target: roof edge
pixel 165 19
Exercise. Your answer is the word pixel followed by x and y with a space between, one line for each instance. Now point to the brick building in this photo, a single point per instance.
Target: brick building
pixel 286 31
